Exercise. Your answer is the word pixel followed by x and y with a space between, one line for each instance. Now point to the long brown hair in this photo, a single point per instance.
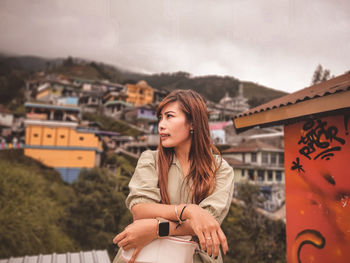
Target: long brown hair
pixel 201 177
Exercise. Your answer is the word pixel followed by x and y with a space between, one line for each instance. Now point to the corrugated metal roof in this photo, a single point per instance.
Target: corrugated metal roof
pixel 335 85
pixel 51 106
pixel 94 256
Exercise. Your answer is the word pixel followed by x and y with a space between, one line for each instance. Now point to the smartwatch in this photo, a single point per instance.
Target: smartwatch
pixel 163 227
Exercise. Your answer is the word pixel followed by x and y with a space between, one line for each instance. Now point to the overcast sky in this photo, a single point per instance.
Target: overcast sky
pixel 276 43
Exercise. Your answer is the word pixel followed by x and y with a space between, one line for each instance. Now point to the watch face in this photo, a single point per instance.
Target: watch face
pixel 163 229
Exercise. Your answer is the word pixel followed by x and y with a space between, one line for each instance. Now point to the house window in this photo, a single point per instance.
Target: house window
pixel 264 157
pixel 243 157
pixel 269 176
pixel 81 138
pixel 253 157
pixel 35 135
pixel 62 136
pixel 243 172
pixel 80 158
pixel 261 176
pixel 273 158
pixel 251 175
pixel 279 176
pixel 281 158
pixel 48 136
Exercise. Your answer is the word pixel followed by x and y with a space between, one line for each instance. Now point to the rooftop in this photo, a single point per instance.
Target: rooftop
pixel 94 256
pixel 118 102
pixel 233 161
pixel 327 96
pixel 51 106
pixel 252 146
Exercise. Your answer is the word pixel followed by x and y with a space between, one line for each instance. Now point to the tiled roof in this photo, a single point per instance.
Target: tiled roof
pixel 233 161
pixel 252 146
pixel 335 85
pixel 94 256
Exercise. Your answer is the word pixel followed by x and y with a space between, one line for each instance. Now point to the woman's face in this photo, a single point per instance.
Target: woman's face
pixel 173 128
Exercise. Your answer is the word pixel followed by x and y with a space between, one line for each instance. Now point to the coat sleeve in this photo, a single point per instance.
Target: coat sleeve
pixel 144 182
pixel 218 203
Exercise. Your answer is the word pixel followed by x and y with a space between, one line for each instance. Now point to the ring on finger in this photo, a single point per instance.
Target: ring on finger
pixel 208 238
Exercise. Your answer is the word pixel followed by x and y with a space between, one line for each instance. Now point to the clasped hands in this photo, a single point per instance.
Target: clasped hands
pixel 143 231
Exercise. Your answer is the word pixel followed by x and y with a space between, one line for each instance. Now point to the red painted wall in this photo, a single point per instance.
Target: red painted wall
pixel 317 168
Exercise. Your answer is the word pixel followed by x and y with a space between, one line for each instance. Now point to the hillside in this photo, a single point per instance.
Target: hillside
pixel 258 94
pixel 33 200
pixel 211 87
pixel 76 68
pixel 39 214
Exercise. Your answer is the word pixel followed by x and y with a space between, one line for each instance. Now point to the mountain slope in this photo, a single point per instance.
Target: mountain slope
pixel 211 87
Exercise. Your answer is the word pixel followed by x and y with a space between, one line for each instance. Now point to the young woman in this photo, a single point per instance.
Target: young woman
pixel 184 181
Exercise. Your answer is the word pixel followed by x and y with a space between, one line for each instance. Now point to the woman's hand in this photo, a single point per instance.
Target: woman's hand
pixel 207 229
pixel 137 235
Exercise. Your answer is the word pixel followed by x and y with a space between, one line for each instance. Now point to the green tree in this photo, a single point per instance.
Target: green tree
pixel 68 62
pixel 96 212
pixel 11 84
pixel 110 124
pixel 252 237
pixel 32 207
pixel 320 75
pixel 125 167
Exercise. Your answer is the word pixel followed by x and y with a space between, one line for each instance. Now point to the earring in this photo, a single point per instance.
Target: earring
pixel 191 131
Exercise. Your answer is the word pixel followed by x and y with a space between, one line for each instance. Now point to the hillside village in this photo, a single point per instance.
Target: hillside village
pixel 66 119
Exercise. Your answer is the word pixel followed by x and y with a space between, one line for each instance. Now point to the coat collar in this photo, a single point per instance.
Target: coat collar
pixel 176 161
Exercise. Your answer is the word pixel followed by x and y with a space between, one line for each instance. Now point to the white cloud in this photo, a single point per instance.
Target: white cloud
pixel 277 43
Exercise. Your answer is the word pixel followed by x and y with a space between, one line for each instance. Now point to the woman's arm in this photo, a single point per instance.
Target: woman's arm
pixel 153 210
pixel 145 230
pixel 198 222
pixel 141 232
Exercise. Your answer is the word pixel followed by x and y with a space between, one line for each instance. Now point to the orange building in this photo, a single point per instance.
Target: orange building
pixel 139 94
pixel 317 149
pixel 61 144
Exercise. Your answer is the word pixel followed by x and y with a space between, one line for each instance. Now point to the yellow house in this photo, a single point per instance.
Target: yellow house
pixel 62 145
pixel 49 92
pixel 139 94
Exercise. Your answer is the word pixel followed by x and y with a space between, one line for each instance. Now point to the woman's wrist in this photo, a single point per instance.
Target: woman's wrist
pixel 177 212
pixel 155 228
pixel 186 211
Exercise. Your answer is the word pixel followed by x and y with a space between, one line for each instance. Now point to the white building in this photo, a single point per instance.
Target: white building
pixel 228 106
pixel 256 161
pixel 263 164
pixel 238 103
